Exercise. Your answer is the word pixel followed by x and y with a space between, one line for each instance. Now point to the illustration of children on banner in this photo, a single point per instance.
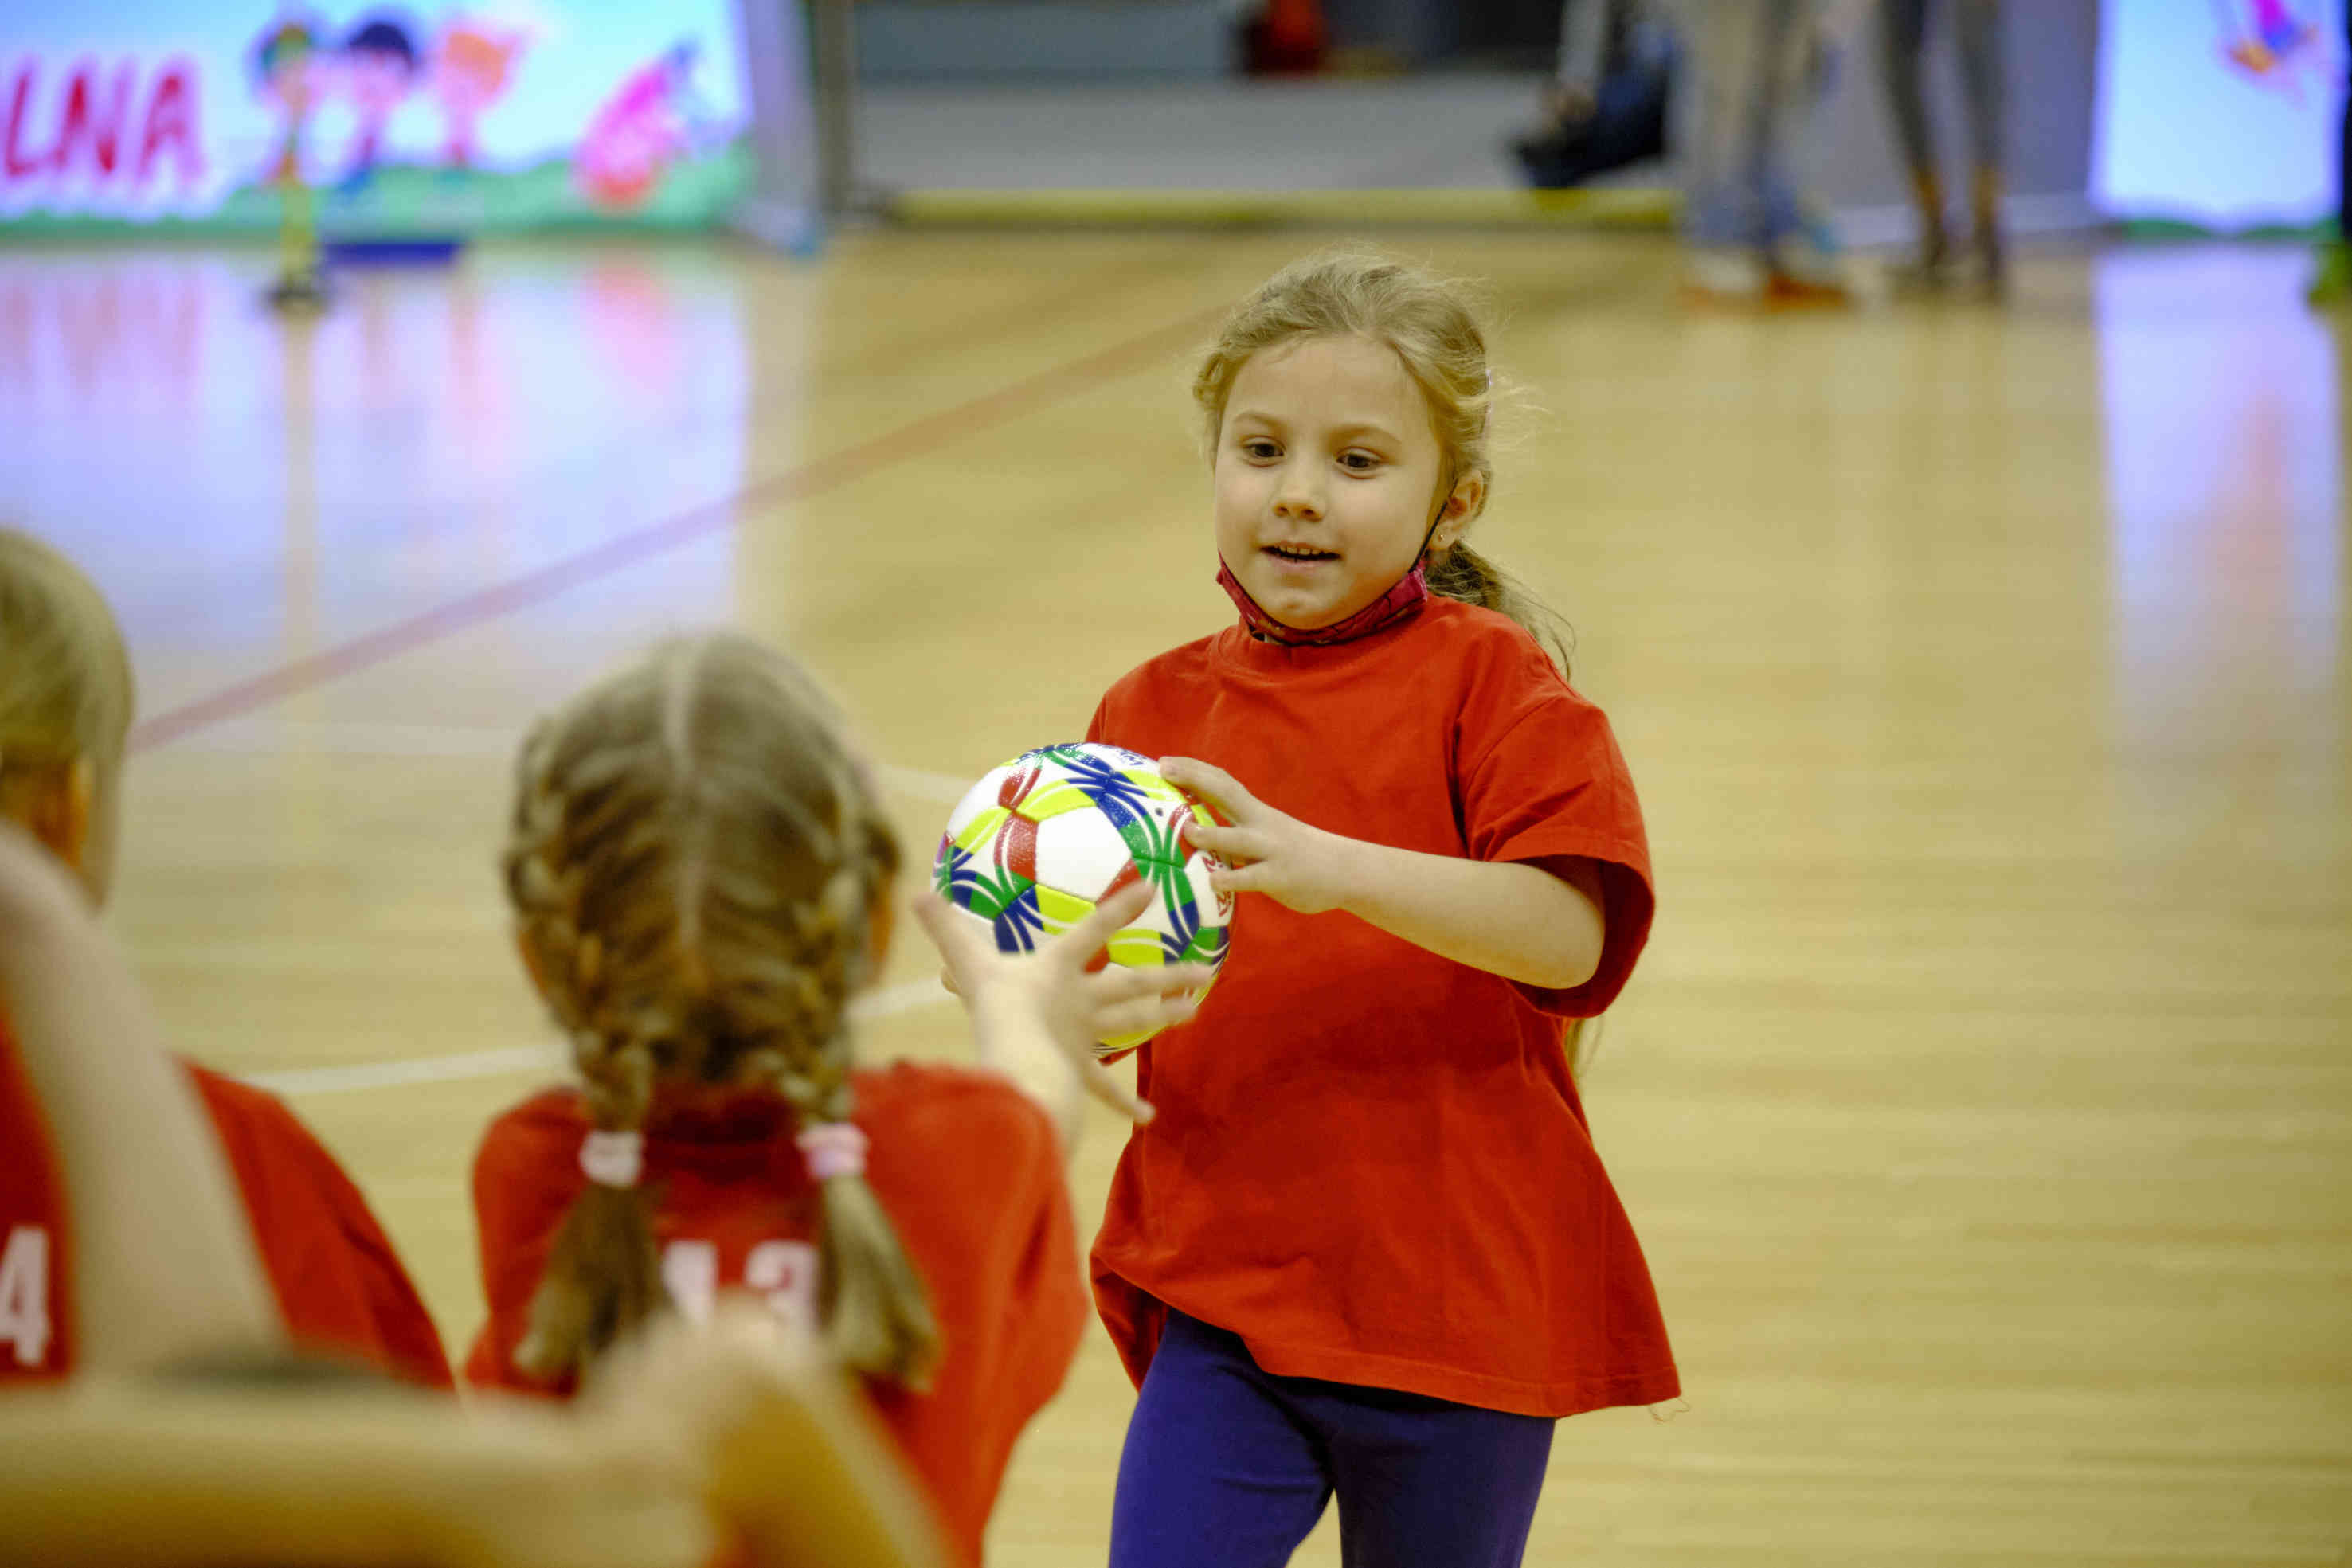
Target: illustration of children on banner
pixel 2270 44
pixel 287 74
pixel 473 62
pixel 650 122
pixel 379 69
pixel 384 119
pixel 376 70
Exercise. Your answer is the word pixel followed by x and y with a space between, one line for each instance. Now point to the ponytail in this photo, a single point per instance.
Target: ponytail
pixel 1461 573
pixel 603 1279
pixel 877 1315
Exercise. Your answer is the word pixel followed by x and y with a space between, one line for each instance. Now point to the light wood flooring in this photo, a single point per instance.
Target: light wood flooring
pixel 1984 1102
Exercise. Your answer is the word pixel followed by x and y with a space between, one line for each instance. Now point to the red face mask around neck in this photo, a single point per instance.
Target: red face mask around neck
pixel 1398 602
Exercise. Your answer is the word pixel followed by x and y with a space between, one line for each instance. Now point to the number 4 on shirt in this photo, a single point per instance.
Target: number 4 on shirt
pixel 784 1272
pixel 25 1294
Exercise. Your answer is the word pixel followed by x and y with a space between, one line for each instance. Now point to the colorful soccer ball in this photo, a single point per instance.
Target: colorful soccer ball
pixel 1037 843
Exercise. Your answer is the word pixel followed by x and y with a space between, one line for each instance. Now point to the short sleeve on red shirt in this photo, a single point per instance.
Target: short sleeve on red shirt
pixel 340 1284
pixel 968 1168
pixel 1541 779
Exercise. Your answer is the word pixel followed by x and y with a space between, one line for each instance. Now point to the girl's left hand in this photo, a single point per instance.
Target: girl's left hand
pixel 1297 866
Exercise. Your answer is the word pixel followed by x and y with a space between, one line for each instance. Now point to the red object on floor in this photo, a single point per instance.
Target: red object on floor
pixel 1288 38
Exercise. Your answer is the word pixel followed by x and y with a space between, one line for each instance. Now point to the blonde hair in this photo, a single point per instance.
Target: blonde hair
pixel 66 690
pixel 1429 323
pixel 695 858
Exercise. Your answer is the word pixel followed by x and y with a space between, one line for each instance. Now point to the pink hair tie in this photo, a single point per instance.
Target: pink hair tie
pixel 613 1159
pixel 832 1149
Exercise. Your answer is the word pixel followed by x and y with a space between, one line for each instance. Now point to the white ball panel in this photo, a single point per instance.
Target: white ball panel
pixel 1080 853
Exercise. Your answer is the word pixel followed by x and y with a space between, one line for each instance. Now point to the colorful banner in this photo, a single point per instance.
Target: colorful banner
pixel 2220 113
pixel 503 115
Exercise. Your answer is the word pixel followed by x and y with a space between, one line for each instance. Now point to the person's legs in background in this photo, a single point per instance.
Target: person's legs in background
pixel 1803 261
pixel 1981 78
pixel 1902 40
pixel 1722 225
pixel 1751 238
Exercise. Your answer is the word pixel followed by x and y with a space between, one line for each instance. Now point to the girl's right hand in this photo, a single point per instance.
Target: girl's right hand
pixel 1050 995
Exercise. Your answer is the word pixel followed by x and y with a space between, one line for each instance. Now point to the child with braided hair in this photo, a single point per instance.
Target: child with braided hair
pixel 703 879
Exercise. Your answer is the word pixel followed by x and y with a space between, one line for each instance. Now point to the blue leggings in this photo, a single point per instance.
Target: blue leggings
pixel 1229 1466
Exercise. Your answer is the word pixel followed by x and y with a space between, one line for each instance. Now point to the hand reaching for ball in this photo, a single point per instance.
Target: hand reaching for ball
pixel 1022 1003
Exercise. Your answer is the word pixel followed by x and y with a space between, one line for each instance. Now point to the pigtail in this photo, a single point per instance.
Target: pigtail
pixel 1461 573
pixel 603 1276
pixel 875 1313
pixel 603 1271
pixel 877 1317
pixel 603 1279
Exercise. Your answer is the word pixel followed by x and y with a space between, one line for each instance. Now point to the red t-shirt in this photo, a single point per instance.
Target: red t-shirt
pixel 969 1170
pixel 339 1286
pixel 1371 1162
pixel 36 1308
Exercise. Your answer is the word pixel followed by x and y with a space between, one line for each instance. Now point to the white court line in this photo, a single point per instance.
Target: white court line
pixel 944 787
pixel 412 1070
pixel 899 998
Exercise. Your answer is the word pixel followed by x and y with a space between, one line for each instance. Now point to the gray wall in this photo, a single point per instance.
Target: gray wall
pixel 1043 41
pixel 1413 31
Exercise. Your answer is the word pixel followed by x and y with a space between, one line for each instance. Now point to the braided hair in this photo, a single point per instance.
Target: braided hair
pixel 694 863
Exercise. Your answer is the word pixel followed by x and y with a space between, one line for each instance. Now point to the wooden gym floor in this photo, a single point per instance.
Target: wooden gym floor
pixel 1985 1099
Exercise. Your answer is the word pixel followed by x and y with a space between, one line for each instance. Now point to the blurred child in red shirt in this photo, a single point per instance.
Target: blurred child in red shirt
pixel 1367 1248
pixel 703 879
pixel 66 701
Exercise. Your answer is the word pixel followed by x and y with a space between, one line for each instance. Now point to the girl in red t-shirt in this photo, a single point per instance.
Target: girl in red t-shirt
pixel 701 877
pixel 1367 1247
pixel 66 702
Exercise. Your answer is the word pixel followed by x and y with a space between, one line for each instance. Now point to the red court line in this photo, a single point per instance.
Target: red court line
pixel 536 587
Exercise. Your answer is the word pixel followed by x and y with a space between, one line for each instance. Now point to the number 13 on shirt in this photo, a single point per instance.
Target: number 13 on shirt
pixel 783 1272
